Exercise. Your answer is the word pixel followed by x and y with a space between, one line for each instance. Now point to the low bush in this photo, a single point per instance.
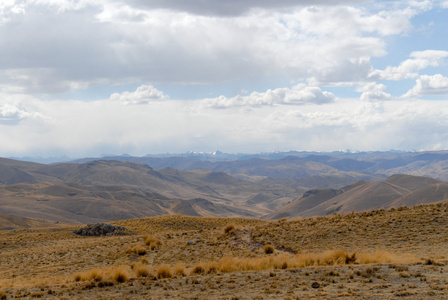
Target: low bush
pixel 229 229
pixel 164 272
pixel 268 249
pixel 152 241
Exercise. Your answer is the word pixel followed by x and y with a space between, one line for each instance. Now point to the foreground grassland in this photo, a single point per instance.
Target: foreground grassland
pixel 381 254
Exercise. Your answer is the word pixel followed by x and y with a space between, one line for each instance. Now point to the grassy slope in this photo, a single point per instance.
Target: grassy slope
pixel 44 261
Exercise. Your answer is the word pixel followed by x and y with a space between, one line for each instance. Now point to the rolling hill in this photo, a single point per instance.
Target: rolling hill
pixel 273 186
pixel 395 191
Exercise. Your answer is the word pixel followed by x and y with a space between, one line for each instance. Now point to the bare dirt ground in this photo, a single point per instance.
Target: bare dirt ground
pixel 385 254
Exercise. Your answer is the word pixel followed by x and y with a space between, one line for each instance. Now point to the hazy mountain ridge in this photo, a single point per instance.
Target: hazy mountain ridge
pixel 293 184
pixel 395 191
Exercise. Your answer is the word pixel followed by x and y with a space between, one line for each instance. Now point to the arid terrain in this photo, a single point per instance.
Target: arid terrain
pixel 382 254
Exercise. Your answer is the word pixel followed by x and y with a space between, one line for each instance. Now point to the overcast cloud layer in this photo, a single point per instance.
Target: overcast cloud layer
pixel 82 78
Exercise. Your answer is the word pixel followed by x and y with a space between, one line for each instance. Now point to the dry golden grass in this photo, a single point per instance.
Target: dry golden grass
pixel 137 249
pixel 118 274
pixel 324 249
pixel 229 229
pixel 164 272
pixel 152 241
pixel 179 269
pixel 141 270
pixel 268 249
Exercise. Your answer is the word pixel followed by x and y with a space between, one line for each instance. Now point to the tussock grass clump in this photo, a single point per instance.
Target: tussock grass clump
pixel 141 270
pixel 105 276
pixel 198 269
pixel 206 268
pixel 137 249
pixel 164 272
pixel 179 269
pixel 152 241
pixel 268 249
pixel 95 275
pixel 229 229
pixel 144 260
pixel 3 295
pixel 120 274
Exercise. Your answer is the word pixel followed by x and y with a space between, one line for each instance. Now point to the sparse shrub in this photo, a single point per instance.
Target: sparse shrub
pixel 140 250
pixel 95 275
pixel 268 249
pixel 152 241
pixel 212 268
pixel 120 274
pixel 179 269
pixel 3 295
pixel 229 229
pixel 198 269
pixel 137 249
pixel 104 277
pixel 164 272
pixel 141 270
pixel 144 260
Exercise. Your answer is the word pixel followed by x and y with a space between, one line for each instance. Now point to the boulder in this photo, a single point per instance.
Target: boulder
pixel 102 229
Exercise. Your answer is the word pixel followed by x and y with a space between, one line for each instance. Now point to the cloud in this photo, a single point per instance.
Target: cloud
pixel 79 128
pixel 80 44
pixel 143 94
pixel 373 92
pixel 13 114
pixel 429 85
pixel 298 95
pixel 230 7
pixel 409 68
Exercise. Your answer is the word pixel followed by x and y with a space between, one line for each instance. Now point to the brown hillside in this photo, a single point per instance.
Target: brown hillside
pixel 409 182
pixel 361 196
pixel 385 254
pixel 309 200
pixel 429 194
pixel 9 222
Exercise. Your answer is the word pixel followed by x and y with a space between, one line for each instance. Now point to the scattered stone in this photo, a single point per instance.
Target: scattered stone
pixel 9 228
pixel 102 229
pixel 193 242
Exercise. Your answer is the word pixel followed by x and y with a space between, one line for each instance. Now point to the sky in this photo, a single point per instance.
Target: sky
pixel 88 78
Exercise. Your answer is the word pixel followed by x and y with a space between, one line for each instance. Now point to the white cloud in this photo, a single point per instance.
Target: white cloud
pixel 429 85
pixel 142 95
pixel 298 95
pixel 409 68
pixel 13 113
pixel 10 114
pixel 78 128
pixel 373 91
pixel 84 43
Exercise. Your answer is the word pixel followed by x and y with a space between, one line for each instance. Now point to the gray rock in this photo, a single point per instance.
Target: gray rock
pixel 193 242
pixel 101 229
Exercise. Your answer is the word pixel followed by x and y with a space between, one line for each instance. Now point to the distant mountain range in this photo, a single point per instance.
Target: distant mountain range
pixel 271 186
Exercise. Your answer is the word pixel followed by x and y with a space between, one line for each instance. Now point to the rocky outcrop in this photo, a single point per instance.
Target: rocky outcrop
pixel 102 229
